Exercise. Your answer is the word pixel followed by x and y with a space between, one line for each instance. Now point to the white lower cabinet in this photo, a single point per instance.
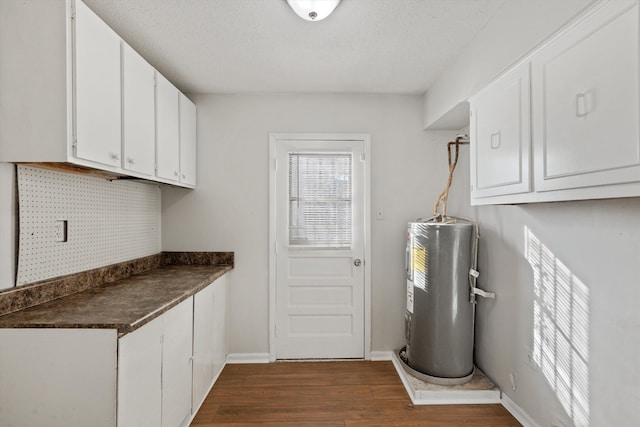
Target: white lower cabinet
pixel 154 371
pixel 203 337
pixel 177 349
pixel 156 376
pixel 139 376
pixel 209 338
pixel 58 377
pixel 220 336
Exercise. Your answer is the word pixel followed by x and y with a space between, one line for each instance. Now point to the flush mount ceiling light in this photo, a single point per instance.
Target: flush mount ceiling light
pixel 313 10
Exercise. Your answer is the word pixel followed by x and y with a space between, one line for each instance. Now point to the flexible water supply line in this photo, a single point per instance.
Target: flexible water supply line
pixel 444 195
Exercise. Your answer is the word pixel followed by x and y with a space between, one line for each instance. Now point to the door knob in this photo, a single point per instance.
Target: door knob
pixel 357 263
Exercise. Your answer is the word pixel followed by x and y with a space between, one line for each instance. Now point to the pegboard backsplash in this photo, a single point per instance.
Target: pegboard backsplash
pixel 107 222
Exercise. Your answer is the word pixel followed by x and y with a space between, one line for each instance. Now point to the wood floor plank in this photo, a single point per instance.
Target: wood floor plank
pixel 279 394
pixel 390 391
pixel 344 393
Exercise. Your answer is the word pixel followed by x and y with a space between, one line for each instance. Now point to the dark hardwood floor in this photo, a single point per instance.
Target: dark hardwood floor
pixel 344 394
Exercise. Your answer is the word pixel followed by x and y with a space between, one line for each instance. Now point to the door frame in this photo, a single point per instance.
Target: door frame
pixel 366 140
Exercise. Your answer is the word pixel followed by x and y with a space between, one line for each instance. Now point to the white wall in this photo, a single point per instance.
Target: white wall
pixel 229 209
pixel 518 27
pixel 599 244
pixel 7 225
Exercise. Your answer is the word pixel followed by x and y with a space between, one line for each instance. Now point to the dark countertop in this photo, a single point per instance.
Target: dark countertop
pixel 125 304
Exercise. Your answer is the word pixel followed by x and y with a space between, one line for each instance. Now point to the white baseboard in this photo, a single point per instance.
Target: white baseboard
pixel 248 358
pixel 381 355
pixel 517 412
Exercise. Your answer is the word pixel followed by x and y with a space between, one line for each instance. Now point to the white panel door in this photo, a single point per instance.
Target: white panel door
pixel 177 349
pixel 586 102
pixel 203 342
pixel 319 212
pixel 138 113
pixel 187 141
pixel 168 129
pixel 140 376
pixel 97 89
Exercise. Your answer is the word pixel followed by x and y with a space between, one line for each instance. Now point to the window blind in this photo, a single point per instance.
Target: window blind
pixel 320 199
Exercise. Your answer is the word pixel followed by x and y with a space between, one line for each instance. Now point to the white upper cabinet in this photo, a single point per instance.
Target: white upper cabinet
pixel 585 102
pixel 74 92
pixel 187 141
pixel 138 112
pixel 97 89
pixel 581 121
pixel 501 136
pixel 168 130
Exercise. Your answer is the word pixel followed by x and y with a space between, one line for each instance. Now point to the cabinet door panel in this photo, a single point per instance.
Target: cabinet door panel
pixel 97 89
pixel 500 132
pixel 187 141
pixel 177 347
pixel 203 339
pixel 138 113
pixel 139 376
pixel 168 131
pixel 58 377
pixel 586 103
pixel 220 324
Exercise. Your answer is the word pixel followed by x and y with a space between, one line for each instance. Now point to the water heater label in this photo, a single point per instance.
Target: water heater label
pixel 410 296
pixel 419 259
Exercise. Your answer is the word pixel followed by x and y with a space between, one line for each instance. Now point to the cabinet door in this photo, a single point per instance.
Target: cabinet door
pixel 585 104
pixel 58 377
pixel 501 136
pixel 177 347
pixel 139 376
pixel 220 347
pixel 168 131
pixel 203 343
pixel 138 114
pixel 187 141
pixel 97 89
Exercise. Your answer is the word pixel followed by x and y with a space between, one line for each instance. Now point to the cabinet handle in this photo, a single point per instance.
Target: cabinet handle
pixel 581 105
pixel 131 160
pixel 176 174
pixel 184 176
pixel 115 156
pixel 495 141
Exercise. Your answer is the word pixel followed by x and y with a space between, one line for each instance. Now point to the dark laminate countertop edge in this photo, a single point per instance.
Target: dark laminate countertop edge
pixel 33 294
pixel 122 296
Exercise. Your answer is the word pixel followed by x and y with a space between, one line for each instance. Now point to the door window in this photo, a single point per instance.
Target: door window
pixel 320 194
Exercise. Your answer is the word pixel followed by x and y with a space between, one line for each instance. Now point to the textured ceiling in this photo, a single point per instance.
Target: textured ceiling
pixel 261 46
